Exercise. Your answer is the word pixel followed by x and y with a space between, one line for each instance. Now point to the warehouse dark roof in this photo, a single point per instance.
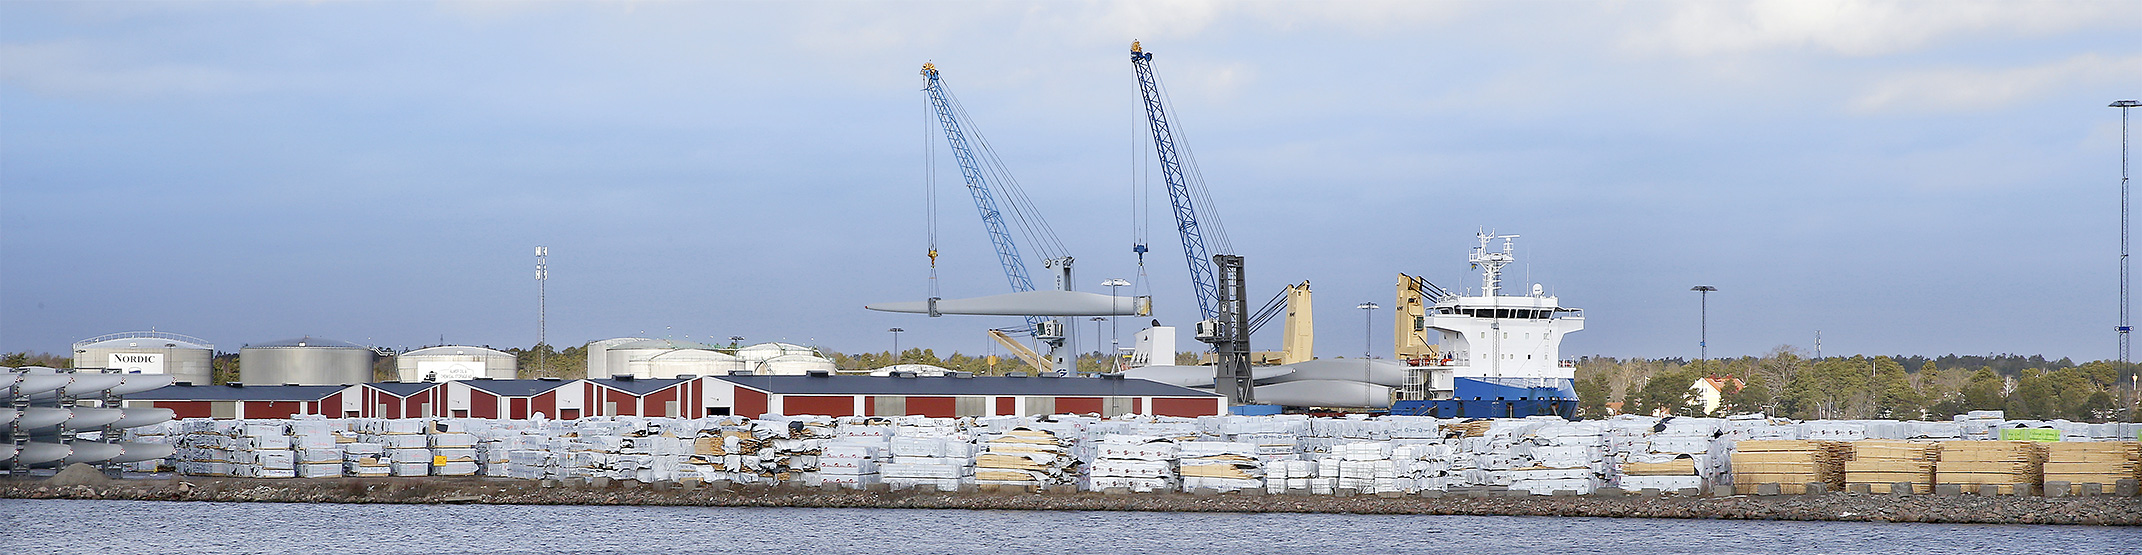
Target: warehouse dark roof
pixel 888 385
pixel 637 386
pixel 515 388
pixel 228 393
pixel 402 389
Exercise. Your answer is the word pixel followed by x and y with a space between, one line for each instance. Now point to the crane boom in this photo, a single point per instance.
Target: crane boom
pixel 1024 353
pixel 1203 278
pixel 978 186
pixel 1217 279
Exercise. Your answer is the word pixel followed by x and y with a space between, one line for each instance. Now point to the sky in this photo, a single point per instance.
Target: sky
pixel 1903 178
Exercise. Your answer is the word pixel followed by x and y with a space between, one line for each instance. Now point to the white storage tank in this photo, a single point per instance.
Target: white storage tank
pixel 305 361
pixel 768 351
pixel 598 355
pixel 186 358
pixel 617 358
pixel 680 362
pixel 918 369
pixel 793 365
pixel 455 362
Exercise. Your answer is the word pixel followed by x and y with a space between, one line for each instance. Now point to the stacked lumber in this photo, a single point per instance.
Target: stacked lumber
pixel 1683 466
pixel 1790 463
pixel 1474 428
pixel 1219 465
pixel 2092 462
pixel 1881 463
pixel 1026 457
pixel 2007 464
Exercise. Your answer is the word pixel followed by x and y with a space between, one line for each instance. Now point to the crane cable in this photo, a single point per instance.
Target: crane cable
pixel 929 182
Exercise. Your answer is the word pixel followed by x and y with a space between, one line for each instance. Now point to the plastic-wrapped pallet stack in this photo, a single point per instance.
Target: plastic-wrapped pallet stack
pixel 452 453
pixel 365 459
pixel 1424 465
pixel 788 449
pixel 204 447
pixel 1286 476
pixel 2097 462
pixel 1132 462
pixel 1792 464
pixel 719 448
pixel 944 462
pixel 1981 425
pixel 1882 463
pixel 1219 465
pixel 1025 457
pixel 1363 467
pixel 319 453
pixel 403 444
pixel 272 456
pixel 850 464
pixel 2008 465
pixel 1565 457
pixel 1682 454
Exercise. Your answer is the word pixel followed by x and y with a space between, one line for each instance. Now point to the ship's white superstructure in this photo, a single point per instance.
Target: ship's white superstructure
pixel 1512 338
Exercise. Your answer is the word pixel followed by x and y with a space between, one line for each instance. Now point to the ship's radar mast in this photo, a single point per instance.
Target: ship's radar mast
pixel 1490 263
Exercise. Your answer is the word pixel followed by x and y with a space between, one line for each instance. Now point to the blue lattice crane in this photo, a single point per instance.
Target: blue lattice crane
pixel 976 165
pixel 1216 280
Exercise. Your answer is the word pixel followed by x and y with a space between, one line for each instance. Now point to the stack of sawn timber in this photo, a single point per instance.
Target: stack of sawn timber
pixel 2092 462
pixel 1882 463
pixel 2005 464
pixel 1790 463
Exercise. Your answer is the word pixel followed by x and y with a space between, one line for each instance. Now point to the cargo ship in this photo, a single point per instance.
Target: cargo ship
pixel 1493 355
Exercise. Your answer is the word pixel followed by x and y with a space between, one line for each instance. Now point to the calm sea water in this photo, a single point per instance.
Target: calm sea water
pixel 104 527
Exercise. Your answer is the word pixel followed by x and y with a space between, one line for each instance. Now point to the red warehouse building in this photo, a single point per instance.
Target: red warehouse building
pixel 400 400
pixel 952 396
pixel 511 399
pixel 629 396
pixel 247 401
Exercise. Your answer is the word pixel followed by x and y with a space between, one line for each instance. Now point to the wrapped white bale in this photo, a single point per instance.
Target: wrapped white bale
pixel 319 455
pixel 453 455
pixel 1120 446
pixel 270 442
pixel 898 470
pixel 847 466
pixel 409 456
pixel 281 459
pixel 453 440
pixel 320 470
pixel 1141 485
pixel 1662 483
pixel 454 469
pixel 412 468
pixel 1129 468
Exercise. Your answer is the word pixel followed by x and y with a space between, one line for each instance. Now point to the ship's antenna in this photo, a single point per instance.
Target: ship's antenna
pixel 1490 264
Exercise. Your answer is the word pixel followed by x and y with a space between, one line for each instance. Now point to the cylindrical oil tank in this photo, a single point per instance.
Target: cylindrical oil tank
pixel 187 359
pixel 617 359
pixel 768 351
pixel 305 361
pixel 680 362
pixel 599 358
pixel 793 365
pixel 918 369
pixel 455 362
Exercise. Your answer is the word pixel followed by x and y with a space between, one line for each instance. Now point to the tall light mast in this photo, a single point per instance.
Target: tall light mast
pixel 2124 328
pixel 542 275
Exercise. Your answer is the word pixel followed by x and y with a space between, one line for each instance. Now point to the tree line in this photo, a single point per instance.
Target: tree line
pixel 1787 383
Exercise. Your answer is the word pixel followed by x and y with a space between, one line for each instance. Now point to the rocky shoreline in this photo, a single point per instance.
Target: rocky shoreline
pixel 2091 510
